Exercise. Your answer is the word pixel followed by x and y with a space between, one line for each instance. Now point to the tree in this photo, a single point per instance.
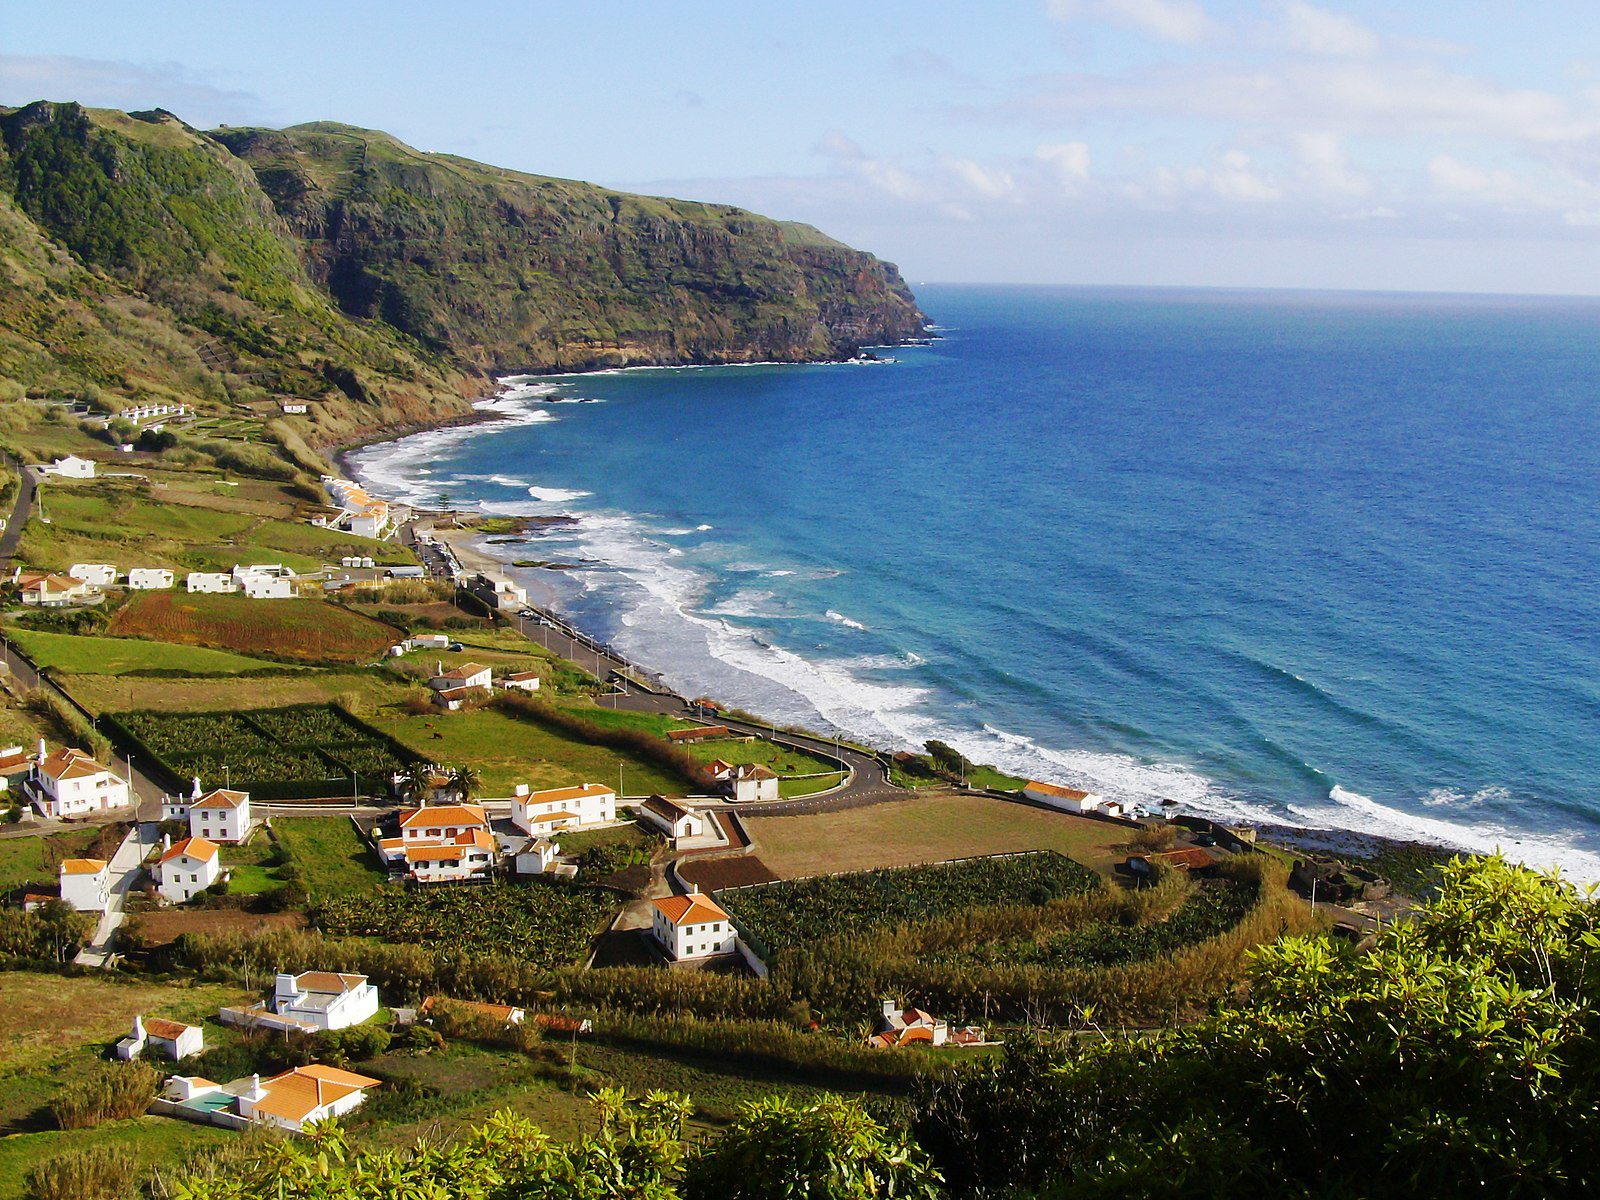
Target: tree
pixel 828 1150
pixel 465 782
pixel 418 781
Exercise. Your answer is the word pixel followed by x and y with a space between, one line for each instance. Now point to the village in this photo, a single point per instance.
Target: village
pixel 287 755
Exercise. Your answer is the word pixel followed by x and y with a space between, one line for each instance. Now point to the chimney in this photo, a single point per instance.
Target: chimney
pixel 694 889
pixel 43 753
pixel 890 1007
pixel 284 987
pixel 138 1028
pixel 520 790
pixel 166 842
pixel 256 1092
pixel 195 795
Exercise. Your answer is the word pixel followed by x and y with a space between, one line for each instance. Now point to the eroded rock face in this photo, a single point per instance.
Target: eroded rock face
pixel 512 271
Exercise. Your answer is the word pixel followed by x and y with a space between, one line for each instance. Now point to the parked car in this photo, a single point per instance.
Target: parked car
pixel 456 647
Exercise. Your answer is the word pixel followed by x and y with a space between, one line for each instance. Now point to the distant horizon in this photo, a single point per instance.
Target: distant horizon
pixel 1341 145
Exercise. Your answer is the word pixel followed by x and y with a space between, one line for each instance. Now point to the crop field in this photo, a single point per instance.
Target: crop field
pixel 928 829
pixel 331 859
pixel 1213 908
pixel 298 630
pixel 544 922
pixel 301 751
pixel 799 912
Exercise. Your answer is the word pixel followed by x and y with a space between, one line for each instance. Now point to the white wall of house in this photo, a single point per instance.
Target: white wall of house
pixel 93 793
pixel 86 891
pixel 72 467
pixel 185 876
pixel 593 805
pixel 267 587
pixel 347 1008
pixel 219 822
pixel 210 581
pixel 149 578
pixel 698 940
pixel 755 791
pixel 96 574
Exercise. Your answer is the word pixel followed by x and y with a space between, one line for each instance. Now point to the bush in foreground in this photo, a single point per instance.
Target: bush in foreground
pixel 98 1173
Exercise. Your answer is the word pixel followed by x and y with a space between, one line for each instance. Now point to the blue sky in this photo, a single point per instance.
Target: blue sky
pixel 1282 143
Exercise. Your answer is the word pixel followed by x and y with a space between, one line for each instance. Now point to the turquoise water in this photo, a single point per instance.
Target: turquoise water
pixel 1321 558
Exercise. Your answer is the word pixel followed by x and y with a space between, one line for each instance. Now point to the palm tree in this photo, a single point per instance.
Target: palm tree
pixel 464 782
pixel 418 780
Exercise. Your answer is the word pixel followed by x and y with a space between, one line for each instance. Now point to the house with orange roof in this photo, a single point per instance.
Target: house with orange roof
pixel 700 733
pixel 295 1100
pixel 55 591
pixel 467 675
pixel 1069 799
pixel 540 814
pixel 220 815
pixel 187 868
pixel 70 783
pixel 912 1026
pixel 505 1014
pixel 442 843
pixel 172 1038
pixel 324 999
pixel 86 883
pixel 522 681
pixel 15 764
pixel 692 927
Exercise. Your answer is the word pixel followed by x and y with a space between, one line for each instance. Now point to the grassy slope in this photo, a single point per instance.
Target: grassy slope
pixel 331 859
pixel 297 630
pixel 113 656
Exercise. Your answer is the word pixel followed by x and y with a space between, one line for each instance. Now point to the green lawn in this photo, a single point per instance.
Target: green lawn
pixel 789 788
pixel 740 751
pixel 331 858
pixel 22 859
pixel 114 656
pixel 508 751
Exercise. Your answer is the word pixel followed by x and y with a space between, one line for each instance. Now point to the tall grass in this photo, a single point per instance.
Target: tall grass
pixel 114 1091
pixel 98 1173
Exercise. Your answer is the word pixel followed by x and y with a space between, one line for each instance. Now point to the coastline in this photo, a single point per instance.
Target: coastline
pixel 1324 829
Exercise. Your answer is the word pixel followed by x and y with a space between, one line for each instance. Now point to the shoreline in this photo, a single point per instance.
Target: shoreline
pixel 1336 838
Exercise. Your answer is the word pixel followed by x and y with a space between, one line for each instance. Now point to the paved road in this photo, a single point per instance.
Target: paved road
pixel 21 511
pixel 124 873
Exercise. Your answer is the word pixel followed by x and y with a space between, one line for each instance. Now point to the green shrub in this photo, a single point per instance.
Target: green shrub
pixel 98 1173
pixel 114 1091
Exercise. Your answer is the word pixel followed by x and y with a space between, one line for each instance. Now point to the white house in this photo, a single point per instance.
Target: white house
pixel 1066 798
pixel 521 681
pixel 293 1100
pixel 187 868
pixel 210 581
pixel 509 596
pixel 85 883
pixel 326 999
pixel 536 856
pixel 692 926
pixel 908 1026
pixel 172 1038
pixel 467 675
pixel 267 587
pixel 94 574
pixel 142 579
pixel 672 818
pixel 428 641
pixel 71 467
pixel 540 814
pixel 751 783
pixel 294 408
pixel 69 783
pixel 53 591
pixel 220 815
pixel 440 843
pixel 359 512
pixel 451 699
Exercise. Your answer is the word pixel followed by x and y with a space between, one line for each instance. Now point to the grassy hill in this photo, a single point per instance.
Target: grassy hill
pixel 143 259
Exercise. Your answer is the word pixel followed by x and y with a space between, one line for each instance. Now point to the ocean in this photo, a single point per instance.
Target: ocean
pixel 1321 559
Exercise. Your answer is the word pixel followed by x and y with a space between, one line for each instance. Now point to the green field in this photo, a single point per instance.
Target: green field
pixel 329 855
pixel 115 656
pixel 508 751
pixel 737 750
pixel 25 860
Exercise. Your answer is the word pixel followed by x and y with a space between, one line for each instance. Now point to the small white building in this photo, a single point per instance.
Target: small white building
pixel 672 818
pixel 294 408
pixel 521 681
pixel 94 574
pixel 451 699
pixel 326 999
pixel 467 675
pixel 692 926
pixel 187 868
pixel 509 596
pixel 210 581
pixel 536 856
pixel 751 784
pixel 71 467
pixel 221 815
pixel 428 641
pixel 69 783
pixel 172 1038
pixel 144 579
pixel 86 883
pixel 267 587
pixel 540 814
pixel 1067 799
pixel 294 1100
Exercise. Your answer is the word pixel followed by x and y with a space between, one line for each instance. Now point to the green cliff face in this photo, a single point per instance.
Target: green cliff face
pixel 511 271
pixel 146 259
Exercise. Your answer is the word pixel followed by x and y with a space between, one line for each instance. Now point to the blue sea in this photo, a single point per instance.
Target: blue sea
pixel 1322 559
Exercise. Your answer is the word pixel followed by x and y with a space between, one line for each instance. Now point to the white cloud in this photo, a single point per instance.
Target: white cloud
pixel 107 83
pixel 1183 21
pixel 1325 166
pixel 991 182
pixel 1314 30
pixel 1455 178
pixel 1067 161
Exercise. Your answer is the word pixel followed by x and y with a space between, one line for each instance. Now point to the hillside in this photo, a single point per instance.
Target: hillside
pixel 146 260
pixel 506 270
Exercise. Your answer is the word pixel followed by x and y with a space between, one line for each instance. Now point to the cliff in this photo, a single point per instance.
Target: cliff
pixel 144 259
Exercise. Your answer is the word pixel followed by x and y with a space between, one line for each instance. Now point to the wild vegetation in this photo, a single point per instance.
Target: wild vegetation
pixel 298 630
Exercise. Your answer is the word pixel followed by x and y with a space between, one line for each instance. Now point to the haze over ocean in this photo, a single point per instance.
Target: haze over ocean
pixel 1320 558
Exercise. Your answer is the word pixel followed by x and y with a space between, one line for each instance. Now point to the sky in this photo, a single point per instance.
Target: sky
pixel 1430 146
